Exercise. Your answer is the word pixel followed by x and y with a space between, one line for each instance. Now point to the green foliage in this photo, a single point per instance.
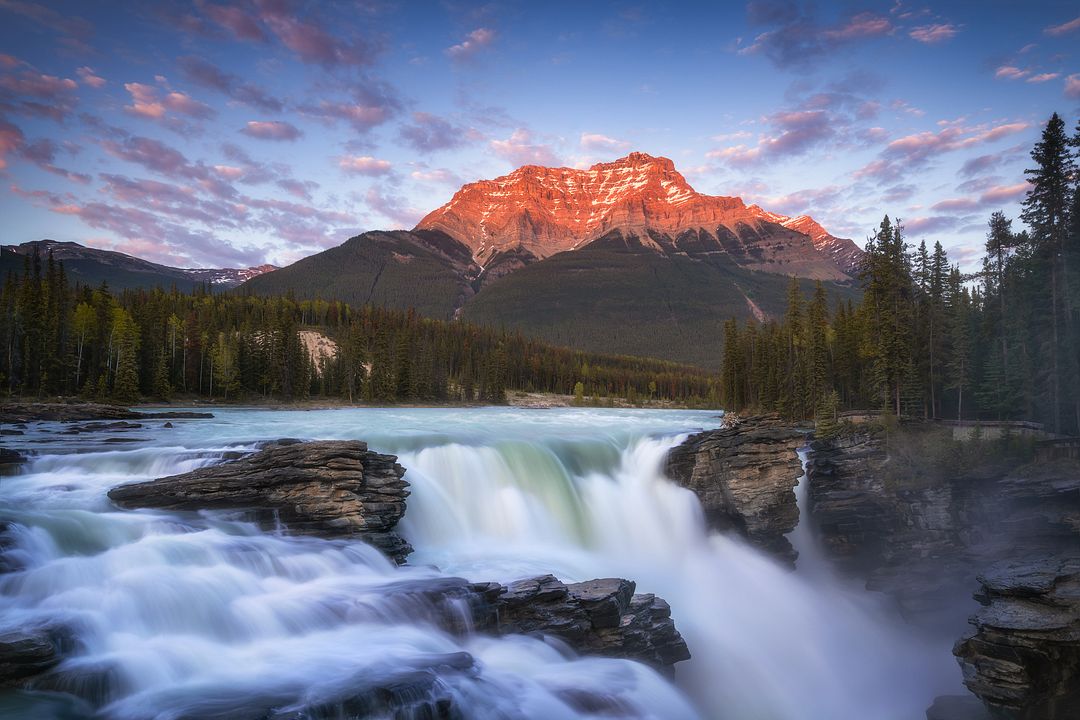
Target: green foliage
pixel 927 340
pixel 235 346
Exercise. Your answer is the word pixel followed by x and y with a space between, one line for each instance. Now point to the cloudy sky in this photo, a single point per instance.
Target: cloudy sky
pixel 207 133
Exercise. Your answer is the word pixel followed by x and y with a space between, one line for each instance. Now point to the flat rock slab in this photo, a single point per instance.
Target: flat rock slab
pixel 20 413
pixel 330 489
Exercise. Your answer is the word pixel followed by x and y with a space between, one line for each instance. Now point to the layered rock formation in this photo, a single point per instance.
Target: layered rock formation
pixel 28 652
pixel 930 537
pixel 597 617
pixel 744 475
pixel 329 489
pixel 1023 658
pixel 544 211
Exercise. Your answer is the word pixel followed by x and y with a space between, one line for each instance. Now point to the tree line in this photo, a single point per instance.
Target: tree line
pixel 927 340
pixel 61 339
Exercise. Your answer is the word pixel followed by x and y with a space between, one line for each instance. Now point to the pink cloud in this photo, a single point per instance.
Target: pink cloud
pixel 1008 72
pixel 1004 193
pixel 860 26
pixel 393 207
pixel 309 41
pixel 11 139
pixel 1043 77
pixel 795 132
pixel 364 165
pixel 271 130
pixel 599 143
pixel 441 175
pixel 519 149
pixel 1072 86
pixel 208 75
pixel 1063 28
pixel 36 84
pixel 935 33
pixel 236 20
pixel 147 102
pixel 90 78
pixel 472 44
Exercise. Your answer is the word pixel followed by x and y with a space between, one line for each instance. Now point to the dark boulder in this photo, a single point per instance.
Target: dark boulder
pixel 328 489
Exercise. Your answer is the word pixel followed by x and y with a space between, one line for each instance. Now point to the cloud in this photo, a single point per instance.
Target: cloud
pixel 931 225
pixel 373 103
pixel 1072 86
pixel 1009 72
pixel 148 102
pixel 43 154
pixel 442 176
pixel 919 148
pixel 90 78
pixel 11 139
pixel 298 188
pixel 1043 77
pixel 1004 193
pixel 935 33
pixel 1063 28
pixel 271 130
pixel 364 165
pixel 796 37
pixel 594 142
pixel 795 132
pixel 393 207
pixel 26 91
pixel 520 149
pixel 210 76
pixel 472 44
pixel 237 21
pixel 430 133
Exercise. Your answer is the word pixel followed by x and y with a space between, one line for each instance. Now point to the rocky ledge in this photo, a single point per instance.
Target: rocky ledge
pixel 12 413
pixel 328 489
pixel 597 617
pixel 1023 657
pixel 744 475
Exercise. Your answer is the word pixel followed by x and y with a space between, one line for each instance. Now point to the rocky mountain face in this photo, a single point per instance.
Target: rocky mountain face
pixel 91 266
pixel 544 211
pixel 1004 534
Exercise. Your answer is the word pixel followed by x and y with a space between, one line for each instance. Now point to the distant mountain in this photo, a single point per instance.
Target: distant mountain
pixel 624 257
pixel 543 211
pixel 91 266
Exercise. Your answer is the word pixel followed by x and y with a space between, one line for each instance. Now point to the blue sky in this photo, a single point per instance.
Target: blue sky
pixel 227 134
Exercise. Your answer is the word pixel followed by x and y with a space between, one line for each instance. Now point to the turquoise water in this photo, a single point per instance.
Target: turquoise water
pixel 204 615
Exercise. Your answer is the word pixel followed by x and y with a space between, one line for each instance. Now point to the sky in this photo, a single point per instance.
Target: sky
pixel 213 134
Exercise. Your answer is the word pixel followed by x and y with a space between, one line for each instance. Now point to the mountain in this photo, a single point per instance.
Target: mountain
pixel 91 266
pixel 625 257
pixel 425 269
pixel 543 211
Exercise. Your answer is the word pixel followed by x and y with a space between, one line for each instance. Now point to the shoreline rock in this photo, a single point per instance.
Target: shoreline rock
pixel 329 489
pixel 18 413
pixel 744 474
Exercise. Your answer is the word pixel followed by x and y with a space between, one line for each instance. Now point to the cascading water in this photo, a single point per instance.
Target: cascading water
pixel 185 615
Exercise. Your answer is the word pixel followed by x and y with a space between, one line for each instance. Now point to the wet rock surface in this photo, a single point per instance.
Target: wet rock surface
pixel 328 489
pixel 744 474
pixel 1023 656
pixel 26 653
pixel 597 617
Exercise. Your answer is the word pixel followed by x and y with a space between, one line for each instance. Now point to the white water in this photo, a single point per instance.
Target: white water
pixel 201 615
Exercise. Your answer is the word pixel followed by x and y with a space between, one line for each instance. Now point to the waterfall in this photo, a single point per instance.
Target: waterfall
pixel 182 615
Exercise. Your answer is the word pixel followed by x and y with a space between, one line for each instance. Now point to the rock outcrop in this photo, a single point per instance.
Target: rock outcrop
pixel 26 653
pixel 328 489
pixel 1023 658
pixel 744 475
pixel 929 536
pixel 597 617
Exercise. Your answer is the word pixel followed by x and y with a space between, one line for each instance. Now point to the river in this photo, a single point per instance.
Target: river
pixel 204 615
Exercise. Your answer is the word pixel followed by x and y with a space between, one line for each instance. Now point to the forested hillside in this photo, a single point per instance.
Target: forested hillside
pixel 929 341
pixel 61 339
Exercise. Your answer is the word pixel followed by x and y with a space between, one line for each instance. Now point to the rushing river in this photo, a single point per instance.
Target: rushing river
pixel 202 615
